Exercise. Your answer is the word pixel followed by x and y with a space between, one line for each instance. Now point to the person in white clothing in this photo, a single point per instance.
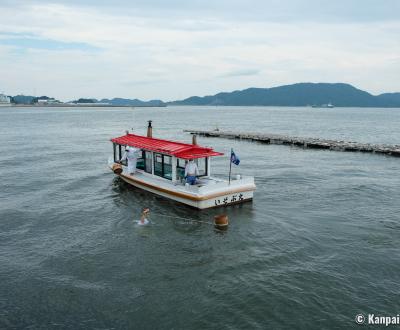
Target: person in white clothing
pixel 131 154
pixel 191 171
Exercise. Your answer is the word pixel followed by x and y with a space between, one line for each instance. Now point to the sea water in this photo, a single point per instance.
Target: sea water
pixel 318 245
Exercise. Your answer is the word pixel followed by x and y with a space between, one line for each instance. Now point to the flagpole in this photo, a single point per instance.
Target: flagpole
pixel 230 166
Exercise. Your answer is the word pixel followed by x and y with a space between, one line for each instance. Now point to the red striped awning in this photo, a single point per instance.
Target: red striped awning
pixel 172 148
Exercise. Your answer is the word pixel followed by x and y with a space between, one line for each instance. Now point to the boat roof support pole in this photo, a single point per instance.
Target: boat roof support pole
pixel 152 162
pixel 174 163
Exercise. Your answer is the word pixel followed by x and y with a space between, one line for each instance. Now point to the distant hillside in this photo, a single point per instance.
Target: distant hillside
pixel 302 94
pixel 33 100
pixel 133 103
pixel 84 101
pixel 22 99
pixel 28 99
pixel 391 99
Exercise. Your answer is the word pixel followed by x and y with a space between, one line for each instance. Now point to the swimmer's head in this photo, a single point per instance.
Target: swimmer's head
pixel 145 210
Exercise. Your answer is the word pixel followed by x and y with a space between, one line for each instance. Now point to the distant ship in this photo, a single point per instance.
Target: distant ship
pixel 327 105
pixel 5 101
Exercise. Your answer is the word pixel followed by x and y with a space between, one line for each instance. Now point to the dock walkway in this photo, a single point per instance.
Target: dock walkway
pixel 313 143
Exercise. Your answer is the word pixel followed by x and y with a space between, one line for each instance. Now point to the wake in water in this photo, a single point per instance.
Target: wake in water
pixel 145 222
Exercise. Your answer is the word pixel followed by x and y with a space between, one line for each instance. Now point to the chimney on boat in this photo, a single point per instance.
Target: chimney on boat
pixel 194 139
pixel 149 129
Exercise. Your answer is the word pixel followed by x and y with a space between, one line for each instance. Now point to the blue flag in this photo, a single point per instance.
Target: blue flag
pixel 234 159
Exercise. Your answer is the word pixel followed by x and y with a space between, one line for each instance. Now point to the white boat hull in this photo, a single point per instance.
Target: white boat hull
pixel 229 197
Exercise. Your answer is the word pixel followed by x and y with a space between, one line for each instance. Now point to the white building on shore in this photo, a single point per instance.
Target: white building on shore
pixel 5 101
pixel 47 101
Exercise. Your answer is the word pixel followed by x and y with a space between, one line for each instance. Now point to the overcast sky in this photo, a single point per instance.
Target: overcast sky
pixel 174 49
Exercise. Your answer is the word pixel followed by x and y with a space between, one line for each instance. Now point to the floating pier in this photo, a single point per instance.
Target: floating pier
pixel 312 143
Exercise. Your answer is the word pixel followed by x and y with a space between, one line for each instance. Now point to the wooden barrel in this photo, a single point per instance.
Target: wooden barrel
pixel 117 168
pixel 221 221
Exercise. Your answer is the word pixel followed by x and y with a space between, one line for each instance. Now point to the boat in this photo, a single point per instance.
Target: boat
pixel 5 101
pixel 161 166
pixel 326 105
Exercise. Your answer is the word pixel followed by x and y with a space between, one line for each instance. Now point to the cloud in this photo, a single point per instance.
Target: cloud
pixel 250 10
pixel 143 82
pixel 23 41
pixel 241 72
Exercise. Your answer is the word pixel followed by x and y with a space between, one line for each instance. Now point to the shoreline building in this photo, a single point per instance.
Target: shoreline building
pixel 5 101
pixel 46 101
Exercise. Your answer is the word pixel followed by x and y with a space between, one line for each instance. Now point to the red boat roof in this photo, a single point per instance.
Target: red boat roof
pixel 177 149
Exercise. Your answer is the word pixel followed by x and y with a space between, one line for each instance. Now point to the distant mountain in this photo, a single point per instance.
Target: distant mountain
pixel 28 99
pixel 85 101
pixel 25 99
pixel 301 94
pixel 133 103
pixel 391 99
pixel 22 99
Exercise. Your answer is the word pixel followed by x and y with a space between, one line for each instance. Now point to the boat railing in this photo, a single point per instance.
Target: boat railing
pixel 220 184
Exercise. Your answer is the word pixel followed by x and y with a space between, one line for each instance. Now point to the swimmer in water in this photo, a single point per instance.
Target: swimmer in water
pixel 143 217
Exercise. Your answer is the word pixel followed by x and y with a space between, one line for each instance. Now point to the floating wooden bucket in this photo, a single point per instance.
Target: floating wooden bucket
pixel 117 168
pixel 221 221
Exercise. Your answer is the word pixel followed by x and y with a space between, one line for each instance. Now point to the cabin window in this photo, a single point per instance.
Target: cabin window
pixel 201 165
pixel 144 161
pixel 180 169
pixel 167 168
pixel 141 160
pixel 158 165
pixel 163 166
pixel 181 164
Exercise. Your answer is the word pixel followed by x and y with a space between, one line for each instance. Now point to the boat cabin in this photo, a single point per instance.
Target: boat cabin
pixel 163 158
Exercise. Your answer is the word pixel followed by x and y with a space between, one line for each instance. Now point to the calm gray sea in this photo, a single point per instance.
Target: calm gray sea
pixel 318 245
